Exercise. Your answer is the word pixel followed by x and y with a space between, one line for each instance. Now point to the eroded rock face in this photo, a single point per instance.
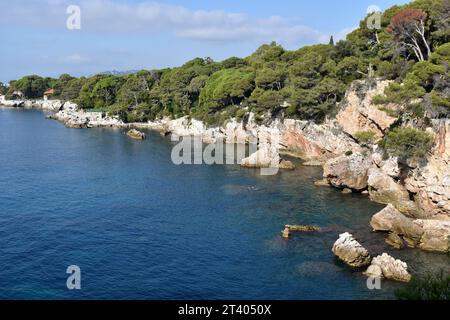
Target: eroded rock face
pixel 384 189
pixel 351 251
pixel 391 268
pixel 431 187
pixel 442 132
pixel 317 143
pixel 358 114
pixel 348 171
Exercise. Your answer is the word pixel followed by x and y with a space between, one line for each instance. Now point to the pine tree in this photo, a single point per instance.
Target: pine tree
pixel 331 41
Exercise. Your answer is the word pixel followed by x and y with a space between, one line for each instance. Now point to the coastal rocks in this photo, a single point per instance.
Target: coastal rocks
pixel 286 165
pixel 391 220
pixel 82 119
pixel 76 124
pixel 322 183
pixel 350 251
pixel 395 240
pixel 302 147
pixel 266 157
pixel 70 106
pixel 52 105
pixel 431 186
pixel 442 138
pixel 13 103
pixel 347 171
pixel 374 271
pixel 436 235
pixel 358 114
pixel 390 268
pixel 302 228
pixel 289 229
pixel 384 189
pixel 136 134
pixel 316 143
pixel 429 235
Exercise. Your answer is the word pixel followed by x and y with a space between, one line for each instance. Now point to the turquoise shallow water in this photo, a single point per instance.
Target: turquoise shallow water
pixel 140 227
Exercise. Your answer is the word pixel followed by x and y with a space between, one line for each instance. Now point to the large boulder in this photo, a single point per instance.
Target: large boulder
pixel 436 235
pixel 426 234
pixel 391 268
pixel 391 220
pixel 350 251
pixel 348 171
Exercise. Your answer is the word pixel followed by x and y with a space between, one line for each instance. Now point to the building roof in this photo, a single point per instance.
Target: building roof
pixel 48 92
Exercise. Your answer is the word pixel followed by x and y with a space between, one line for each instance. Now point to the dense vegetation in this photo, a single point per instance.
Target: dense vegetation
pixel 407 142
pixel 429 288
pixel 411 47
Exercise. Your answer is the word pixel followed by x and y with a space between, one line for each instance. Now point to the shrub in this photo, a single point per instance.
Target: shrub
pixel 428 288
pixel 240 114
pixel 365 136
pixel 407 142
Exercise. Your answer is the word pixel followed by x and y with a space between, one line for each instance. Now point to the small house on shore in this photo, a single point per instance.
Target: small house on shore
pixel 48 93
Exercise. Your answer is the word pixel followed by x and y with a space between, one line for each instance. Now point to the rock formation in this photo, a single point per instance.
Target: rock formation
pixel 350 251
pixel 430 235
pixel 347 171
pixel 389 268
pixel 358 114
pixel 136 134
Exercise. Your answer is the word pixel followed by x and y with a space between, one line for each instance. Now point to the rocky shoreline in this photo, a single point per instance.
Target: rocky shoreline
pixel 417 194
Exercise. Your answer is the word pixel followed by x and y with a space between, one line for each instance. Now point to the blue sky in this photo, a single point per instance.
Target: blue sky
pixel 136 34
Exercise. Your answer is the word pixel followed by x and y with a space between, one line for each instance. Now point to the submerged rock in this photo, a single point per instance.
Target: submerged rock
pixel 322 183
pixel 136 134
pixel 351 251
pixel 286 233
pixel 287 165
pixel 302 228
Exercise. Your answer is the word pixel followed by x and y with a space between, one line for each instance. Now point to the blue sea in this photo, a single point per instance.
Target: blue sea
pixel 140 227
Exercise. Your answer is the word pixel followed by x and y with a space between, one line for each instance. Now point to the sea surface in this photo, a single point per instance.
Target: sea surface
pixel 140 227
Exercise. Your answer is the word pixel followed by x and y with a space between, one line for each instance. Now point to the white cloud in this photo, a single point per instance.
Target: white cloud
pixel 150 17
pixel 75 59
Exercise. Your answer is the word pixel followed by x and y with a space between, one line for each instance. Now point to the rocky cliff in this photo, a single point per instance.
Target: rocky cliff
pixel 419 191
